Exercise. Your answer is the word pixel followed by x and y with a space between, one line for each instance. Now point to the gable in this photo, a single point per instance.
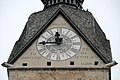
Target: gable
pixel 80 20
pixel 86 57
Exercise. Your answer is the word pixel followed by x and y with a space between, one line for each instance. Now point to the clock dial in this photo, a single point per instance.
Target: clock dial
pixel 49 48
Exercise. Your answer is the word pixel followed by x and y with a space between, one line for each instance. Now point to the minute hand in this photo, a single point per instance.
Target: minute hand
pixel 46 42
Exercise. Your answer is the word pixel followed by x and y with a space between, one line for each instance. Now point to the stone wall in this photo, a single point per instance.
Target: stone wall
pixel 58 74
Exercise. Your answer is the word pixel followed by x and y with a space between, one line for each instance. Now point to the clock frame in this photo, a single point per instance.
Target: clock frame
pixel 69 47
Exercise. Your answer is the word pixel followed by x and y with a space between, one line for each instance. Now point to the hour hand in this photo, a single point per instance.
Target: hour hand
pixel 58 40
pixel 43 42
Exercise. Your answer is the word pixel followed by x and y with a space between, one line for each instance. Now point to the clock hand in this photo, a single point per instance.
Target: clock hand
pixel 43 42
pixel 57 39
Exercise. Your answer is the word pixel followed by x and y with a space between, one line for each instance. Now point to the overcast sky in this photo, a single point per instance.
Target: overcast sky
pixel 14 15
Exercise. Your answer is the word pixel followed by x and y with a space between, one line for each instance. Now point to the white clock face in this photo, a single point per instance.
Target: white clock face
pixel 68 48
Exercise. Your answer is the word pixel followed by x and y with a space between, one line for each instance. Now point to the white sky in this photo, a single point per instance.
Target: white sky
pixel 14 15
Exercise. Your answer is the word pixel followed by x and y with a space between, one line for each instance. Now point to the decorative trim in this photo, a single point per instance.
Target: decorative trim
pixel 58 69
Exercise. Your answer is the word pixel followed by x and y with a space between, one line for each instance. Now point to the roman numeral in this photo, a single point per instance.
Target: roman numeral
pixel 74 50
pixel 42 49
pixel 76 43
pixel 44 37
pixel 50 32
pixel 68 54
pixel 58 57
pixel 59 30
pixel 44 52
pixel 74 36
pixel 49 55
pixel 67 33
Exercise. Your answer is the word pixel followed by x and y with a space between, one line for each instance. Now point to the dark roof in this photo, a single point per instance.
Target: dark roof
pixel 82 21
pixel 76 3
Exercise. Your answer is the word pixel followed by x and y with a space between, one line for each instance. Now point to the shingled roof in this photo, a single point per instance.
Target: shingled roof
pixel 83 21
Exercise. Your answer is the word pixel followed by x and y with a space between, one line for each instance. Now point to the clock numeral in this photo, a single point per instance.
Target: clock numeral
pixel 74 50
pixel 63 55
pixel 53 55
pixel 74 36
pixel 44 52
pixel 41 50
pixel 68 54
pixel 44 37
pixel 49 55
pixel 59 30
pixel 58 57
pixel 76 43
pixel 67 33
pixel 50 32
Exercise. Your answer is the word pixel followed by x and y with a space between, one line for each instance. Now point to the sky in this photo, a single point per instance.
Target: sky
pixel 14 15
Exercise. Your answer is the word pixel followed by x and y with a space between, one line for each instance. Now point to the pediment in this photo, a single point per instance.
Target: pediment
pixel 35 28
pixel 86 57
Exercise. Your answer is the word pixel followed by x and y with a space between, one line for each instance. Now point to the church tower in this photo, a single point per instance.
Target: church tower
pixel 61 42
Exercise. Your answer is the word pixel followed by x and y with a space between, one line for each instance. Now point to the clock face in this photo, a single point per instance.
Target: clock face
pixel 49 48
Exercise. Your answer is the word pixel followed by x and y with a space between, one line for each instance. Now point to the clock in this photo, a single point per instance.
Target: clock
pixel 58 44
